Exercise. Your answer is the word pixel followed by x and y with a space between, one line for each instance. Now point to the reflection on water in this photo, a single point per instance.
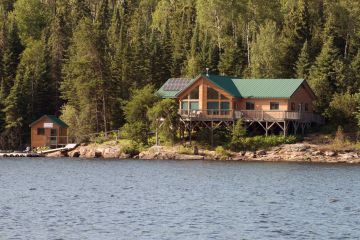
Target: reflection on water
pixel 97 199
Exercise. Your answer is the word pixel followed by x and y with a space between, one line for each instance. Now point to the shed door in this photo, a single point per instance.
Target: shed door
pixel 53 136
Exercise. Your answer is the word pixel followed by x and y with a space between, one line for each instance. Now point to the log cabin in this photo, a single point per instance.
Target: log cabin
pixel 212 100
pixel 49 131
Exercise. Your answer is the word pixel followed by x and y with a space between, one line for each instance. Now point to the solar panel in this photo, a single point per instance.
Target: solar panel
pixel 176 84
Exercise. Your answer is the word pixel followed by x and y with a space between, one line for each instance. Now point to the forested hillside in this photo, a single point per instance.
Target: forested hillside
pixel 81 57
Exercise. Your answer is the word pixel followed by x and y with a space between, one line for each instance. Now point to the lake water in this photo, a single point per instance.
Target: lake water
pixel 132 199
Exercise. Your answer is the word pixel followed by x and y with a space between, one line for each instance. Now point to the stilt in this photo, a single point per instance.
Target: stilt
pixel 157 136
pixel 190 130
pixel 212 133
pixel 267 128
pixel 285 129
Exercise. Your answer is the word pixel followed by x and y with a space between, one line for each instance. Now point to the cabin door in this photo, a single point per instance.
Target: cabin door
pixel 53 137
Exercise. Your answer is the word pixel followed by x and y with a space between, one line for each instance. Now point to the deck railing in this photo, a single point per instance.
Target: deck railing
pixel 252 115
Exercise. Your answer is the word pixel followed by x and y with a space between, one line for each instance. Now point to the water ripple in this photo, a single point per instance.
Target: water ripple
pixel 75 199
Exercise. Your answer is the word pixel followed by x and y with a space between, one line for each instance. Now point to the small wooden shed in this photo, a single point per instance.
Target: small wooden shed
pixel 48 131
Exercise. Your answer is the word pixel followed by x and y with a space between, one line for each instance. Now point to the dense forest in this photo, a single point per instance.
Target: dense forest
pixel 80 58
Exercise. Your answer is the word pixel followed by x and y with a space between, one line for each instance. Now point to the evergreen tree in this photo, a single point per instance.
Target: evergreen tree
pixel 303 64
pixel 322 76
pixel 296 31
pixel 266 53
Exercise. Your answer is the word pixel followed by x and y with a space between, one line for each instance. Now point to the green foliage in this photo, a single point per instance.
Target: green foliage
pixel 303 64
pixel 239 130
pixel 32 16
pixel 88 54
pixel 322 75
pixel 164 118
pixel 141 100
pixel 222 153
pixel 261 142
pixel 266 53
pixel 185 150
pixel 342 108
pixel 131 148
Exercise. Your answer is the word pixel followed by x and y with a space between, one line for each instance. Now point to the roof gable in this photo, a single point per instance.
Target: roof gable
pixel 52 118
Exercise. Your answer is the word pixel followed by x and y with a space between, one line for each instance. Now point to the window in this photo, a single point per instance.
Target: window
pixel 194 105
pixel 194 94
pixel 184 105
pixel 212 105
pixel 212 93
pixel 250 106
pixel 41 131
pixel 293 106
pixel 225 105
pixel 213 108
pixel 306 107
pixel 274 106
pixel 225 108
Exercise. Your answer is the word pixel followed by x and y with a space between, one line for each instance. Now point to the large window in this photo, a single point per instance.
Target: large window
pixel 274 106
pixel 194 105
pixel 212 93
pixel 194 94
pixel 213 108
pixel 225 108
pixel 190 102
pixel 250 106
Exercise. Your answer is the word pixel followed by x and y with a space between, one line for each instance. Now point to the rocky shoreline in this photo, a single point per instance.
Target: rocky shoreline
pixel 300 152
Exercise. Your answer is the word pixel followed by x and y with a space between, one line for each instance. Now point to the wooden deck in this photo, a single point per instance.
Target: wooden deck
pixel 251 115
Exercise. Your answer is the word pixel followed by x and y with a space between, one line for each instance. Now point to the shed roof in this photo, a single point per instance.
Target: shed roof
pixel 54 119
pixel 246 88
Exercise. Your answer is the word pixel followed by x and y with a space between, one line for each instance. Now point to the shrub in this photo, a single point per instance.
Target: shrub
pixel 261 142
pixel 132 148
pixel 185 150
pixel 222 153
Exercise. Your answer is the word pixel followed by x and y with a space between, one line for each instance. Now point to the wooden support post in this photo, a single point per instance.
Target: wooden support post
pixel 267 128
pixel 303 129
pixel 285 129
pixel 212 133
pixel 157 136
pixel 190 128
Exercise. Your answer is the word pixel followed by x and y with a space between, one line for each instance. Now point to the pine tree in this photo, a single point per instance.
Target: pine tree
pixel 27 99
pixel 296 31
pixel 322 76
pixel 303 64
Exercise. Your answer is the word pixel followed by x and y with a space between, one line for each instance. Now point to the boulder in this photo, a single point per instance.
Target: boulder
pixel 330 153
pixel 75 153
pixel 111 152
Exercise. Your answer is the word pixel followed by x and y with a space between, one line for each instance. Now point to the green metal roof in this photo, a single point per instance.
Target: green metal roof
pixel 257 88
pixel 246 88
pixel 54 119
pixel 58 121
